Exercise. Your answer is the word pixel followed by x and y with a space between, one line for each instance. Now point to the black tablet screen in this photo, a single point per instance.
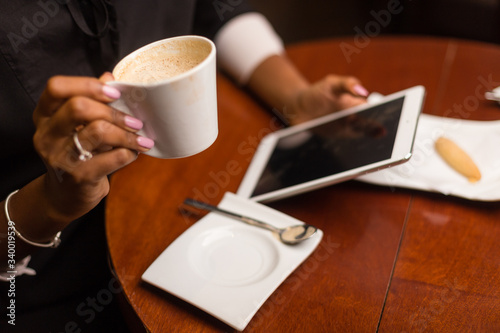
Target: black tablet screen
pixel 346 143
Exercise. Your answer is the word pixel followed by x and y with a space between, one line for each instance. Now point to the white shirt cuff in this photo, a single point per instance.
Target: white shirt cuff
pixel 244 42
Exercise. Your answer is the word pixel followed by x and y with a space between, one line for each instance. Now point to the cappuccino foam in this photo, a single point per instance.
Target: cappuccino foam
pixel 162 61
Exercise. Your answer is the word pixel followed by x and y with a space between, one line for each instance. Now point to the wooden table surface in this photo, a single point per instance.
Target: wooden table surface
pixel 391 260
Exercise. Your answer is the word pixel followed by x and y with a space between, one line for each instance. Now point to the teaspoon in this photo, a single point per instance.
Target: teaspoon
pixel 290 235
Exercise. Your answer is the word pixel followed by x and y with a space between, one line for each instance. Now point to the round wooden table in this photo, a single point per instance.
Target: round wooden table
pixel 393 260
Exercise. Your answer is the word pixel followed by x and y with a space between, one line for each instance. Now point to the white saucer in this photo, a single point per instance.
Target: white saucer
pixel 226 267
pixel 231 256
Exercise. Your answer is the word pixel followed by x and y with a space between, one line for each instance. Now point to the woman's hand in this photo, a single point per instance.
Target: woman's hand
pixel 332 93
pixel 80 104
pixel 278 83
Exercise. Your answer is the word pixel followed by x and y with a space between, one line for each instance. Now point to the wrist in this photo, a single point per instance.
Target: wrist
pixel 66 200
pixel 36 215
pixel 278 84
pixel 296 109
pixel 13 230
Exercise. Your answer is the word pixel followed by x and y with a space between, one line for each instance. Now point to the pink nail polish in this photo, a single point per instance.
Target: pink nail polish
pixel 111 92
pixel 133 123
pixel 145 142
pixel 360 90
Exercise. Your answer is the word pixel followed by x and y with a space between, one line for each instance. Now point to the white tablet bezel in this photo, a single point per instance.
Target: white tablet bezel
pixel 402 149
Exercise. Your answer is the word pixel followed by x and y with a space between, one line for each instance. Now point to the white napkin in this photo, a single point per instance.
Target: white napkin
pixel 427 171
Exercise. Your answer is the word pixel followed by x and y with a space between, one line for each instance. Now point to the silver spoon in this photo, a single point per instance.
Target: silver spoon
pixel 290 235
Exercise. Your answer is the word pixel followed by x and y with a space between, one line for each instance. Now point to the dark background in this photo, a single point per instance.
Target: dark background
pixel 299 20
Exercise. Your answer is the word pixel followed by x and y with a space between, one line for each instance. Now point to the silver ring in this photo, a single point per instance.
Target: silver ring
pixel 85 155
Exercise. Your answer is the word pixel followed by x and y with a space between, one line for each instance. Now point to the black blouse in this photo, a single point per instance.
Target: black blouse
pixel 40 39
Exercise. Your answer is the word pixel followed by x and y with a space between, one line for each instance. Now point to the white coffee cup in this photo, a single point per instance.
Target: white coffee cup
pixel 170 85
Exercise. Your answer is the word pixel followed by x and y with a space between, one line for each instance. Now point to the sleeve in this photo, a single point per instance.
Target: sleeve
pixel 244 38
pixel 211 15
pixel 244 42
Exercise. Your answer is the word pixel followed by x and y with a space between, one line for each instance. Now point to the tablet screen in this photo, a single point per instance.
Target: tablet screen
pixel 343 144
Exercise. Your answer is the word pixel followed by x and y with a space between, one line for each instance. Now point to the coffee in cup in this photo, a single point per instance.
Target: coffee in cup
pixel 162 61
pixel 170 85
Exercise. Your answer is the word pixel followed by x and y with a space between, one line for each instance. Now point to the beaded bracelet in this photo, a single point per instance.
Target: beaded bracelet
pixel 54 243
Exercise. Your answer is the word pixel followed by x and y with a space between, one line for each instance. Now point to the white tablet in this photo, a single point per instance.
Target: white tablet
pixel 334 148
